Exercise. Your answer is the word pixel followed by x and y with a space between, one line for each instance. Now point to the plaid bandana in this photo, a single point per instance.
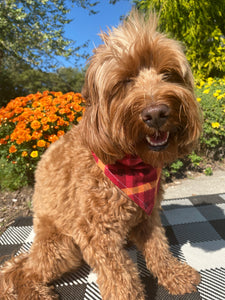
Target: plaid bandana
pixel 139 181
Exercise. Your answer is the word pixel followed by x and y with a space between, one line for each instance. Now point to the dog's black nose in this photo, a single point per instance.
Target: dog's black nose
pixel 155 116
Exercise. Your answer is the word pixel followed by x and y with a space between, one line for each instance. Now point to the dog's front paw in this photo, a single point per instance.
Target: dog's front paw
pixel 180 279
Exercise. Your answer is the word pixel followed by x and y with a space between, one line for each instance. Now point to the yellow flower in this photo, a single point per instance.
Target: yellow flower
pixel 215 125
pixel 210 80
pixel 220 97
pixel 206 91
pixel 34 154
pixel 201 84
pixel 199 99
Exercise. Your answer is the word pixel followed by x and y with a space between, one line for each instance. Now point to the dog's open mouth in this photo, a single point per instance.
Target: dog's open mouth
pixel 158 141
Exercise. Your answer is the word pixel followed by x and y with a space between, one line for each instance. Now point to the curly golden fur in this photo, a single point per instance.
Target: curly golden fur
pixel 140 101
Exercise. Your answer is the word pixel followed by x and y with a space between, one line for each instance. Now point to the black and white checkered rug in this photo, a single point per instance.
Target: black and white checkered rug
pixel 195 227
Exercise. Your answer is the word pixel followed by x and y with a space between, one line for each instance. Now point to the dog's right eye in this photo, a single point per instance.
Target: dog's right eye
pixel 127 81
pixel 166 76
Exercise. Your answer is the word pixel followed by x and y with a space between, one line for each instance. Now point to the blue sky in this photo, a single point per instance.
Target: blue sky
pixel 86 27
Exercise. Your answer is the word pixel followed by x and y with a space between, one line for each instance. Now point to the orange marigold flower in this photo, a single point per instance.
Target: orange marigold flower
pixel 35 104
pixel 44 120
pixel 78 119
pixel 18 110
pixel 3 142
pixel 12 149
pixel 52 118
pixel 20 140
pixel 62 111
pixel 36 135
pixel 45 93
pixel 21 125
pixel 41 143
pixel 24 154
pixel 56 94
pixel 60 122
pixel 45 127
pixel 53 138
pixel 34 154
pixel 28 137
pixel 60 133
pixel 77 107
pixel 35 125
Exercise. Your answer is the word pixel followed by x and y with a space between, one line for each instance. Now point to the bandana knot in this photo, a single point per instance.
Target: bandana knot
pixel 138 180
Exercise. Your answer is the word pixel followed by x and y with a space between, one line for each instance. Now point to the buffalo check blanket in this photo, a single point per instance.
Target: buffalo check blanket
pixel 195 227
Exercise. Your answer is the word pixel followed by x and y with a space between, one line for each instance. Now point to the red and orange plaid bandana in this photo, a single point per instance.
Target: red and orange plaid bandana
pixel 139 181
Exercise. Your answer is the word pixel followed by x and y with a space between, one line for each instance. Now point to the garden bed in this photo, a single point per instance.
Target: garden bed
pixel 14 204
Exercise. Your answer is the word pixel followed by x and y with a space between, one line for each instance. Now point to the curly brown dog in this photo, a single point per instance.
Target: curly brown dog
pixel 99 185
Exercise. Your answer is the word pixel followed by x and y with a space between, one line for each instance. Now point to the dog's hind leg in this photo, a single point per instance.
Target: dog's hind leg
pixel 26 276
pixel 175 276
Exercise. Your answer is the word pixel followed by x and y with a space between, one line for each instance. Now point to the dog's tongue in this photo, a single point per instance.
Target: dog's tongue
pixel 158 139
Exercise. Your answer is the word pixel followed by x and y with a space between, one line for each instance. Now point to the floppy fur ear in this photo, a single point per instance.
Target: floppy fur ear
pixel 89 90
pixel 97 137
pixel 193 129
pixel 95 123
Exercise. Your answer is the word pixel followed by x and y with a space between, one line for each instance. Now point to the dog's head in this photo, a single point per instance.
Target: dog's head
pixel 139 94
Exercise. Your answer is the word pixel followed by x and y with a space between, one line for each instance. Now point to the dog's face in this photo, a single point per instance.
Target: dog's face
pixel 140 98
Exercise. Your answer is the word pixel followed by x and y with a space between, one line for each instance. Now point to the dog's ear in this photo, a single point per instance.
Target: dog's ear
pixel 192 132
pixel 89 90
pixel 96 125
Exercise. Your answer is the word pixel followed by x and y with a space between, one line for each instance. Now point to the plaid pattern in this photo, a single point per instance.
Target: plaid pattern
pixel 195 228
pixel 139 181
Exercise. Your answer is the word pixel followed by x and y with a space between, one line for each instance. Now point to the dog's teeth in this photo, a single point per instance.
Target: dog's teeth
pixel 154 142
pixel 148 139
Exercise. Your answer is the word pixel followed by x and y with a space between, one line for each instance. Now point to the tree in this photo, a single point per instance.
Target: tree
pixel 15 81
pixel 200 25
pixel 33 31
pixel 31 38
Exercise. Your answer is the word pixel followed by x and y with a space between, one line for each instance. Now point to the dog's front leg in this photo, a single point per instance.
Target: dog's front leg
pixel 175 276
pixel 117 275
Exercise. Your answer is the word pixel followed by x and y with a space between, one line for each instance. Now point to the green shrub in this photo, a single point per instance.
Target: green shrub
pixel 211 95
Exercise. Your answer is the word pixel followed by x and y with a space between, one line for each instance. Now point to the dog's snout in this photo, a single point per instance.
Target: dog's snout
pixel 155 116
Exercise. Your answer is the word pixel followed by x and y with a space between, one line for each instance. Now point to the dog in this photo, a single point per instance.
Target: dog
pixel 99 186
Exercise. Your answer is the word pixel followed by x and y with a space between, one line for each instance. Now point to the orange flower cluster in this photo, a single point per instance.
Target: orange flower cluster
pixel 37 120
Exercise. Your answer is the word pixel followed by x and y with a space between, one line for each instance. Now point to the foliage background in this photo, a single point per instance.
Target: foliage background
pixel 200 25
pixel 32 41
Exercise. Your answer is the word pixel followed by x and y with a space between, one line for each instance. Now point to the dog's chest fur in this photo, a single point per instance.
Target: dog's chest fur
pixel 89 198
